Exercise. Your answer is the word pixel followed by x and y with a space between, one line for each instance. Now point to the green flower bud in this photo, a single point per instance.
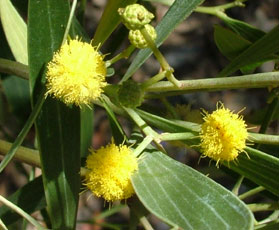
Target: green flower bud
pixel 138 40
pixel 130 94
pixel 135 16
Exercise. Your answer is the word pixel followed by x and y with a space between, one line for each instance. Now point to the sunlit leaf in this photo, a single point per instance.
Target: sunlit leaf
pixel 186 199
pixel 15 31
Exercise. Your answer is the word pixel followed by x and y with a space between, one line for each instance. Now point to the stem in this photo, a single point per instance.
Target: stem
pixel 18 141
pixel 272 217
pixel 161 59
pixel 251 192
pixel 26 155
pixel 21 212
pixel 213 10
pixel 124 54
pixel 146 141
pixel 264 138
pixel 260 80
pixel 184 125
pixel 69 21
pixel 14 68
pixel 146 223
pixel 263 207
pixel 153 80
pixel 2 225
pixel 237 185
pixel 177 136
pixel 147 130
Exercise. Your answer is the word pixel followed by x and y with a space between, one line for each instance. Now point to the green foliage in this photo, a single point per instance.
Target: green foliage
pixel 55 126
pixel 179 195
pixel 186 199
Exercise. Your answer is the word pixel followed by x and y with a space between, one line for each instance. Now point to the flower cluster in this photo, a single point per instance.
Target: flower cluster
pixel 110 170
pixel 76 74
pixel 223 135
pixel 135 17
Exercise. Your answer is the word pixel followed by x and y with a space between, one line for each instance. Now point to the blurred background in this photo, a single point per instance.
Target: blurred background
pixel 192 52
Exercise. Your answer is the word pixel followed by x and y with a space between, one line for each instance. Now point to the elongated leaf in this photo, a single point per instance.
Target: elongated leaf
pixel 110 20
pixel 244 29
pixel 18 141
pixel 58 126
pixel 18 96
pixel 30 198
pixel 137 211
pixel 229 43
pixel 180 10
pixel 261 168
pixel 15 31
pixel 258 51
pixel 86 130
pixel 186 199
pixel 117 131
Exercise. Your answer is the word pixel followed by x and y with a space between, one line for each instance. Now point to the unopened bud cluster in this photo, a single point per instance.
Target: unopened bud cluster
pixel 135 17
pixel 130 94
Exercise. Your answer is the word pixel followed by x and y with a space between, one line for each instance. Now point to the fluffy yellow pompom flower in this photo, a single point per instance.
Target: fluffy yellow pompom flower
pixel 223 135
pixel 76 74
pixel 110 169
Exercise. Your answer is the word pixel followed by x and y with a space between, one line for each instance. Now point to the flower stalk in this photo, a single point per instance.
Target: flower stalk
pixel 161 59
pixel 21 212
pixel 251 192
pixel 263 207
pixel 124 54
pixel 154 79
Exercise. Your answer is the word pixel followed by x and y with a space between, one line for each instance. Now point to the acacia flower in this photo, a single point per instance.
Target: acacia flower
pixel 110 169
pixel 76 74
pixel 223 134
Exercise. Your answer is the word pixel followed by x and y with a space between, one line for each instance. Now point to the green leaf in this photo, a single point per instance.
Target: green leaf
pixel 18 141
pixel 168 125
pixel 137 211
pixel 257 52
pixel 18 95
pixel 86 130
pixel 15 31
pixel 117 131
pixel 244 29
pixel 229 43
pixel 185 198
pixel 58 126
pixel 261 168
pixel 109 20
pixel 30 198
pixel 179 10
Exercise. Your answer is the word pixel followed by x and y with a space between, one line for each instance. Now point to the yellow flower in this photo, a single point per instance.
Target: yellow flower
pixel 110 169
pixel 76 74
pixel 223 135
